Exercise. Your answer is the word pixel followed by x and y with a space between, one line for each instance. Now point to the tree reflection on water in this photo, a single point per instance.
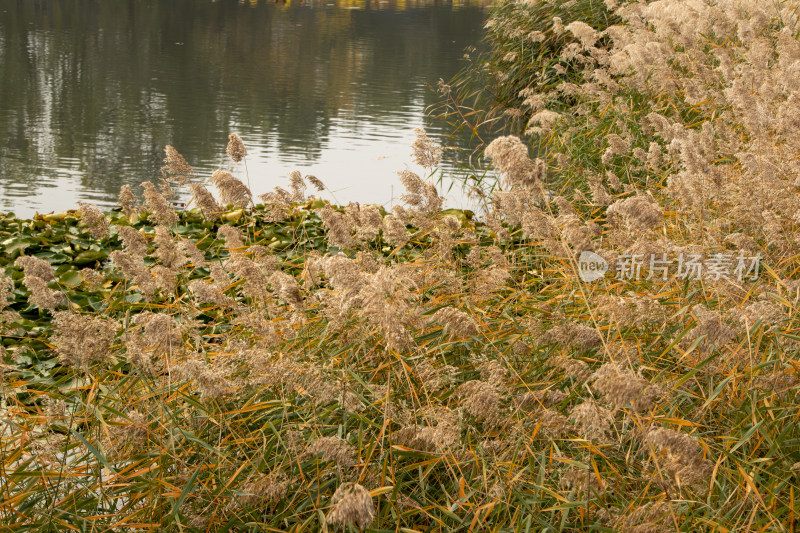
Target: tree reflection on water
pixel 92 91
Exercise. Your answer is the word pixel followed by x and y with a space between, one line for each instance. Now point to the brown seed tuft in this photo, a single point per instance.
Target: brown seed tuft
pixel 457 323
pixel 298 186
pixel 160 211
pixel 133 241
pixel 316 182
pixel 421 195
pixel 394 230
pixel 205 201
pixel 640 212
pixel 231 190
pixel 573 368
pixel 510 156
pixel 94 219
pixel 481 400
pixel 680 456
pixel 127 200
pixel 36 273
pixel 176 166
pixel 352 505
pixel 332 449
pixel 265 489
pixel 33 266
pixel 593 422
pixel 134 269
pixel 426 153
pixel 236 149
pixel 81 340
pixel 621 388
pixel 211 381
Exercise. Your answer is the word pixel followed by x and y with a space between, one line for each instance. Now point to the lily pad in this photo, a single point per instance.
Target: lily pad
pixel 16 245
pixel 89 256
pixel 71 279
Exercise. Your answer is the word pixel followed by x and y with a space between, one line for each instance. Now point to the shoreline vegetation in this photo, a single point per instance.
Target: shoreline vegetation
pixel 292 365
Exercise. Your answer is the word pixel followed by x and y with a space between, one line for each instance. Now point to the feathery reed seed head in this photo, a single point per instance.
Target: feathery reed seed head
pixel 175 166
pixel 127 200
pixel 352 505
pixel 332 449
pixel 94 219
pixel 425 152
pixel 231 190
pixel 81 340
pixel 236 149
pixel 160 210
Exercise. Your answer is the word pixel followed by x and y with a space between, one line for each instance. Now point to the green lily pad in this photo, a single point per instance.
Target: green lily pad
pixel 16 244
pixel 88 257
pixel 61 249
pixel 57 259
pixel 71 279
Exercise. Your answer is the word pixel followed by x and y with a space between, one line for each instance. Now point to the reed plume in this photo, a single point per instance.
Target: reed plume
pixel 231 190
pixel 236 149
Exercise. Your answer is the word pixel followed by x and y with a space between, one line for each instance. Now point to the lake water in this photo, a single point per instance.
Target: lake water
pixel 92 90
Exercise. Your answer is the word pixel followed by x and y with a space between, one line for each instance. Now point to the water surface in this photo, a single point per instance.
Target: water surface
pixel 92 90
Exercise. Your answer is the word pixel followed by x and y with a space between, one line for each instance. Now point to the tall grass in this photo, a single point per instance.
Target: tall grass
pixel 521 54
pixel 297 366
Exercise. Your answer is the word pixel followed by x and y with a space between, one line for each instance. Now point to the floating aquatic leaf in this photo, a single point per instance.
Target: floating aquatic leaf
pixel 89 256
pixel 71 279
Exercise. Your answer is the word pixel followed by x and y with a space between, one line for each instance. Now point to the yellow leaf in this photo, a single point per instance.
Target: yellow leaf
pixel 681 422
pixel 381 490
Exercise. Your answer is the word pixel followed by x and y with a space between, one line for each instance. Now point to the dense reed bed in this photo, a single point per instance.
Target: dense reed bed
pixel 290 365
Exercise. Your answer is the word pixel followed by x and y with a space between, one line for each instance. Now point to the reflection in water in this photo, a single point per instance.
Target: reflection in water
pixel 91 91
